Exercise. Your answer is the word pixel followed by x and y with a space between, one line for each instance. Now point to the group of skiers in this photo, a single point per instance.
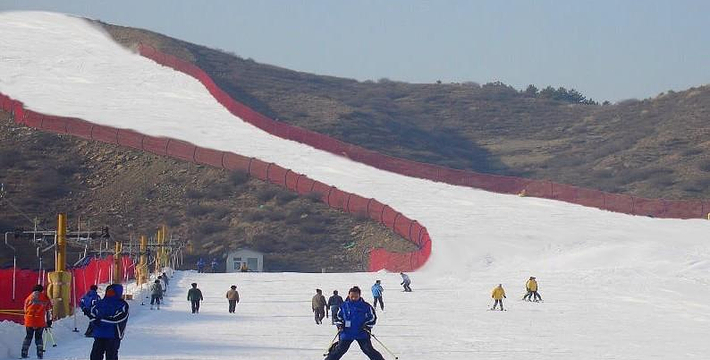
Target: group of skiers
pixel 158 289
pixel 201 265
pixel 107 320
pixel 531 287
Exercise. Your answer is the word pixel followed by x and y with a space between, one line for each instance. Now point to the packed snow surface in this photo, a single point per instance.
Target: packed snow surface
pixel 615 286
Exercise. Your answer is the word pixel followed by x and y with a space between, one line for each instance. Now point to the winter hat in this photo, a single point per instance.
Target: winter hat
pixel 233 287
pixel 94 287
pixel 157 281
pixel 37 287
pixel 194 284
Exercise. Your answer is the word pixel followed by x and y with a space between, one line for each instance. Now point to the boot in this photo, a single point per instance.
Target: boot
pixel 40 351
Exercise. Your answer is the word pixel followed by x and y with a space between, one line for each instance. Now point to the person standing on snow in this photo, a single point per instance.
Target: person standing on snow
pixel 85 304
pixel 194 296
pixel 37 307
pixel 163 287
pixel 111 316
pixel 156 293
pixel 377 291
pixel 405 282
pixel 355 320
pixel 318 304
pixel 214 265
pixel 233 298
pixel 166 280
pixel 531 286
pixel 334 303
pixel 498 294
pixel 200 266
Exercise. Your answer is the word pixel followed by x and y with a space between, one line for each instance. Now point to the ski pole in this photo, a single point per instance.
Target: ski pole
pixel 380 342
pixel 327 350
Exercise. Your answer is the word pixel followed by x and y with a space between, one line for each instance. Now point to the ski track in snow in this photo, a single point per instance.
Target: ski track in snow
pixel 615 286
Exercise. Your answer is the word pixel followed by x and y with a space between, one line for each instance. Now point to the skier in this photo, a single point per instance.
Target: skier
pixel 111 316
pixel 163 287
pixel 318 304
pixel 233 298
pixel 37 307
pixel 377 291
pixel 498 294
pixel 156 293
pixel 85 304
pixel 166 280
pixel 354 320
pixel 244 267
pixel 200 266
pixel 194 296
pixel 531 286
pixel 214 265
pixel 334 303
pixel 405 282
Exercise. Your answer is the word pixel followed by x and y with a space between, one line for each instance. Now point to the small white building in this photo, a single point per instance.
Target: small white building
pixel 253 260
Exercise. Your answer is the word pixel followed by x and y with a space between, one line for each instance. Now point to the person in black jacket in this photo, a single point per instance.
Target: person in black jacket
pixel 334 303
pixel 110 318
pixel 194 296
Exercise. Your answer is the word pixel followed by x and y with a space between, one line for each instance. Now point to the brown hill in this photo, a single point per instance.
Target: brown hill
pixel 132 192
pixel 652 148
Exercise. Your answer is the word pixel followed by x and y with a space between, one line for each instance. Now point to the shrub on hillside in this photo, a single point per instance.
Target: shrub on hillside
pixel 238 177
pixel 266 194
pixel 197 210
pixel 207 228
pixel 283 197
pixel 704 165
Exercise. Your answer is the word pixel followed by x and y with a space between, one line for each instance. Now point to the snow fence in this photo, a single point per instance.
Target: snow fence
pixel 496 183
pixel 93 271
pixel 299 183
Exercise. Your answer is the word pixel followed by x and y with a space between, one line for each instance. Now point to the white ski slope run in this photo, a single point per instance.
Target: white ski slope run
pixel 616 286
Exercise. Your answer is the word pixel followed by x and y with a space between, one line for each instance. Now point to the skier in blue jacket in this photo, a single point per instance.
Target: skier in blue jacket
pixel 377 291
pixel 87 301
pixel 354 320
pixel 110 318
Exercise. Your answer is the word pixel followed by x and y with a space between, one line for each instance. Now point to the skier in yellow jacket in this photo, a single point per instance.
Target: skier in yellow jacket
pixel 531 287
pixel 498 295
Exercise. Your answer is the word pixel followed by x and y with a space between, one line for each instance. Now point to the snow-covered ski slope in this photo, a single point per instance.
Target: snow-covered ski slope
pixel 616 286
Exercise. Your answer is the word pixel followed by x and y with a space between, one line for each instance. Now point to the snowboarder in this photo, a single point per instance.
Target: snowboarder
pixel 377 291
pixel 354 320
pixel 405 282
pixel 334 303
pixel 498 294
pixel 156 293
pixel 194 296
pixel 85 304
pixel 200 266
pixel 233 298
pixel 214 265
pixel 531 286
pixel 318 304
pixel 37 307
pixel 111 316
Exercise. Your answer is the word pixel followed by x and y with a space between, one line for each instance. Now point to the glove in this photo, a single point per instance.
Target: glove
pixel 340 328
pixel 505 297
pixel 49 323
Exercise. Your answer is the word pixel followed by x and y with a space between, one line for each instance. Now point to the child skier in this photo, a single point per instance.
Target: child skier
pixel 498 295
pixel 532 287
pixel 85 304
pixel 377 291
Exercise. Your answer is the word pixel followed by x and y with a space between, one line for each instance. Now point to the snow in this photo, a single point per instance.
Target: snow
pixel 615 286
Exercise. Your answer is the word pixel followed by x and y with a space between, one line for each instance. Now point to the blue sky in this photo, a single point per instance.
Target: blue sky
pixel 608 50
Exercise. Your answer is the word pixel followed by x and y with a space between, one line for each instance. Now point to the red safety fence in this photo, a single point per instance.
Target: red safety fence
pixel 332 196
pixel 495 183
pixel 95 271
